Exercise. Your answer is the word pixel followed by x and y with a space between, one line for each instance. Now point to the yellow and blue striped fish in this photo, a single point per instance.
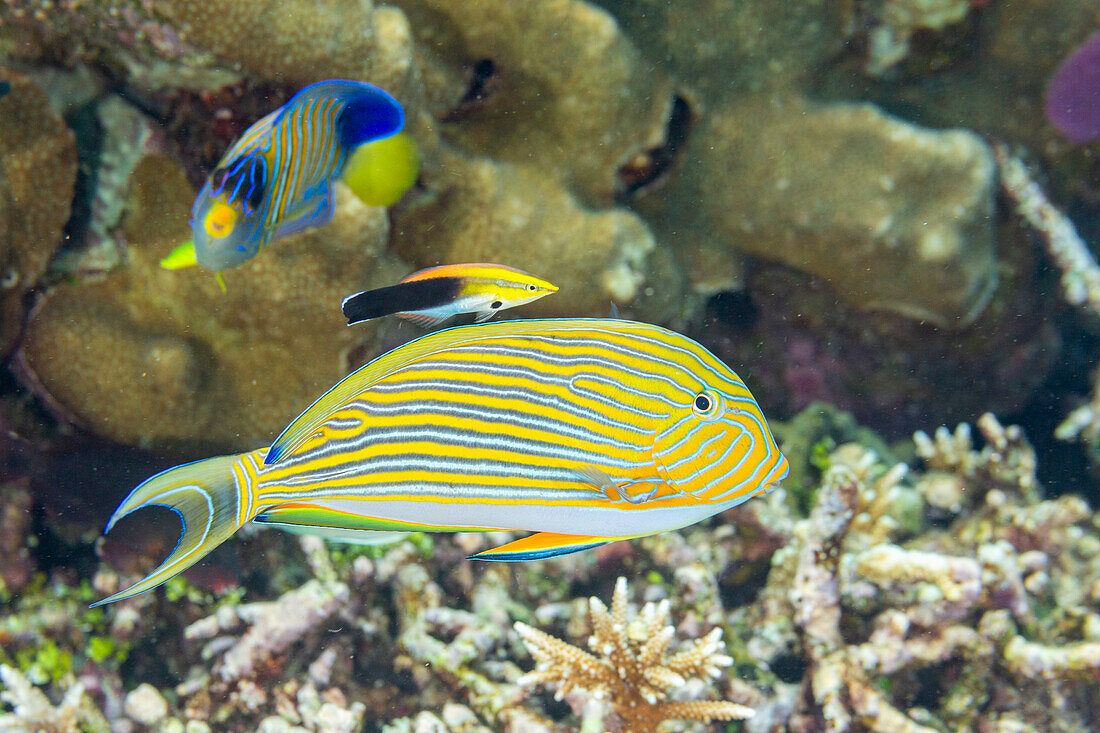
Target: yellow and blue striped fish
pixel 582 431
pixel 277 178
pixel 432 296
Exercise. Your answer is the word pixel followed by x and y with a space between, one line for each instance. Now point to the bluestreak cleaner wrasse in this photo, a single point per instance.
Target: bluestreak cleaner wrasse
pixel 582 431
pixel 430 297
pixel 277 178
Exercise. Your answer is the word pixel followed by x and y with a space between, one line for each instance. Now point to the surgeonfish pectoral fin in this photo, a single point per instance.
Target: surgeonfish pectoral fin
pixel 204 494
pixel 542 545
pixel 180 257
pixel 598 478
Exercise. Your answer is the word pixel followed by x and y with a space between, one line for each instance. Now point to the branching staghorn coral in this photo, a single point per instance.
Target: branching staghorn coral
pixel 1071 255
pixel 632 669
pixel 1007 461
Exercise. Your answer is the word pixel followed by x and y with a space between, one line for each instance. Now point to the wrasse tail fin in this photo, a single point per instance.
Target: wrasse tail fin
pixel 205 496
pixel 406 297
pixel 542 545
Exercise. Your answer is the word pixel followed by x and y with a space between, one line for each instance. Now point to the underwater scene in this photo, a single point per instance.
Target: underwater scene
pixel 459 366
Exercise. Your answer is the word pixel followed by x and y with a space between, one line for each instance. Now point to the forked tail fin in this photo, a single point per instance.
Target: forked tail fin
pixel 211 499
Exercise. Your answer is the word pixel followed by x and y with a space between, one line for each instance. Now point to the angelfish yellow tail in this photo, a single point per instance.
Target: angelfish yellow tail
pixel 211 498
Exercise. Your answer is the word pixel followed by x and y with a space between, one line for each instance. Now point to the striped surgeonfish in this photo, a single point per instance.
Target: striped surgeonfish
pixel 277 178
pixel 430 297
pixel 582 431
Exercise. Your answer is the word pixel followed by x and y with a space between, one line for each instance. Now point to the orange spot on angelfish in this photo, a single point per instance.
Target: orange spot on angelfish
pixel 220 220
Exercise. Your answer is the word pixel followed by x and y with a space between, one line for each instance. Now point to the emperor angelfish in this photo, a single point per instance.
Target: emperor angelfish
pixel 277 178
pixel 582 431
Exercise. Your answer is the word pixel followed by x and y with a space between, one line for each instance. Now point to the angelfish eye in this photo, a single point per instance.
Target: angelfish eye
pixel 708 404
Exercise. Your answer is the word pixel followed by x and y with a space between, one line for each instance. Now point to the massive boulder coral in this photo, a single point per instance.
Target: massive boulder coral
pixel 570 93
pixel 299 42
pixel 37 176
pixel 156 357
pixel 498 212
pixel 892 216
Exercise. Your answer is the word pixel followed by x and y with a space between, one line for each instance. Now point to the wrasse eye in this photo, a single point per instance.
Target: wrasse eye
pixel 708 404
pixel 532 287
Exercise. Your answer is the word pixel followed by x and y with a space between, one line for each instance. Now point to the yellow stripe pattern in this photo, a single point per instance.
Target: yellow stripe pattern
pixel 590 427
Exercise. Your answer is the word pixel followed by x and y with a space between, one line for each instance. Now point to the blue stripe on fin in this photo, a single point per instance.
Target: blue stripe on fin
pixel 542 545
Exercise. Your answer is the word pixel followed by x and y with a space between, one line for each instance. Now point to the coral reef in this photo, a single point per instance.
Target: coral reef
pixel 632 671
pixel 861 203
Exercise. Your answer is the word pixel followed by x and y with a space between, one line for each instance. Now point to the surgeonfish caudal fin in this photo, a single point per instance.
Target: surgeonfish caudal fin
pixel 404 297
pixel 542 545
pixel 206 497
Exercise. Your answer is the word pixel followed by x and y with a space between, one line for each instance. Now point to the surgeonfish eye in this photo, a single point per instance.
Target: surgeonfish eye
pixel 220 220
pixel 708 405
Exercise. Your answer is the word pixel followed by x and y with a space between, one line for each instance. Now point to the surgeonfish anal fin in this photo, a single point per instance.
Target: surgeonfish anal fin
pixel 542 545
pixel 204 494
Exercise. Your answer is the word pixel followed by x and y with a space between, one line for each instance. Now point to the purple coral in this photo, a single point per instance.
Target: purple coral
pixel 1073 96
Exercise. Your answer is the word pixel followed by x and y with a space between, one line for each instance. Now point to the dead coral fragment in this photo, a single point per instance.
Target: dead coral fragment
pixel 631 669
pixel 1039 661
pixel 34 713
